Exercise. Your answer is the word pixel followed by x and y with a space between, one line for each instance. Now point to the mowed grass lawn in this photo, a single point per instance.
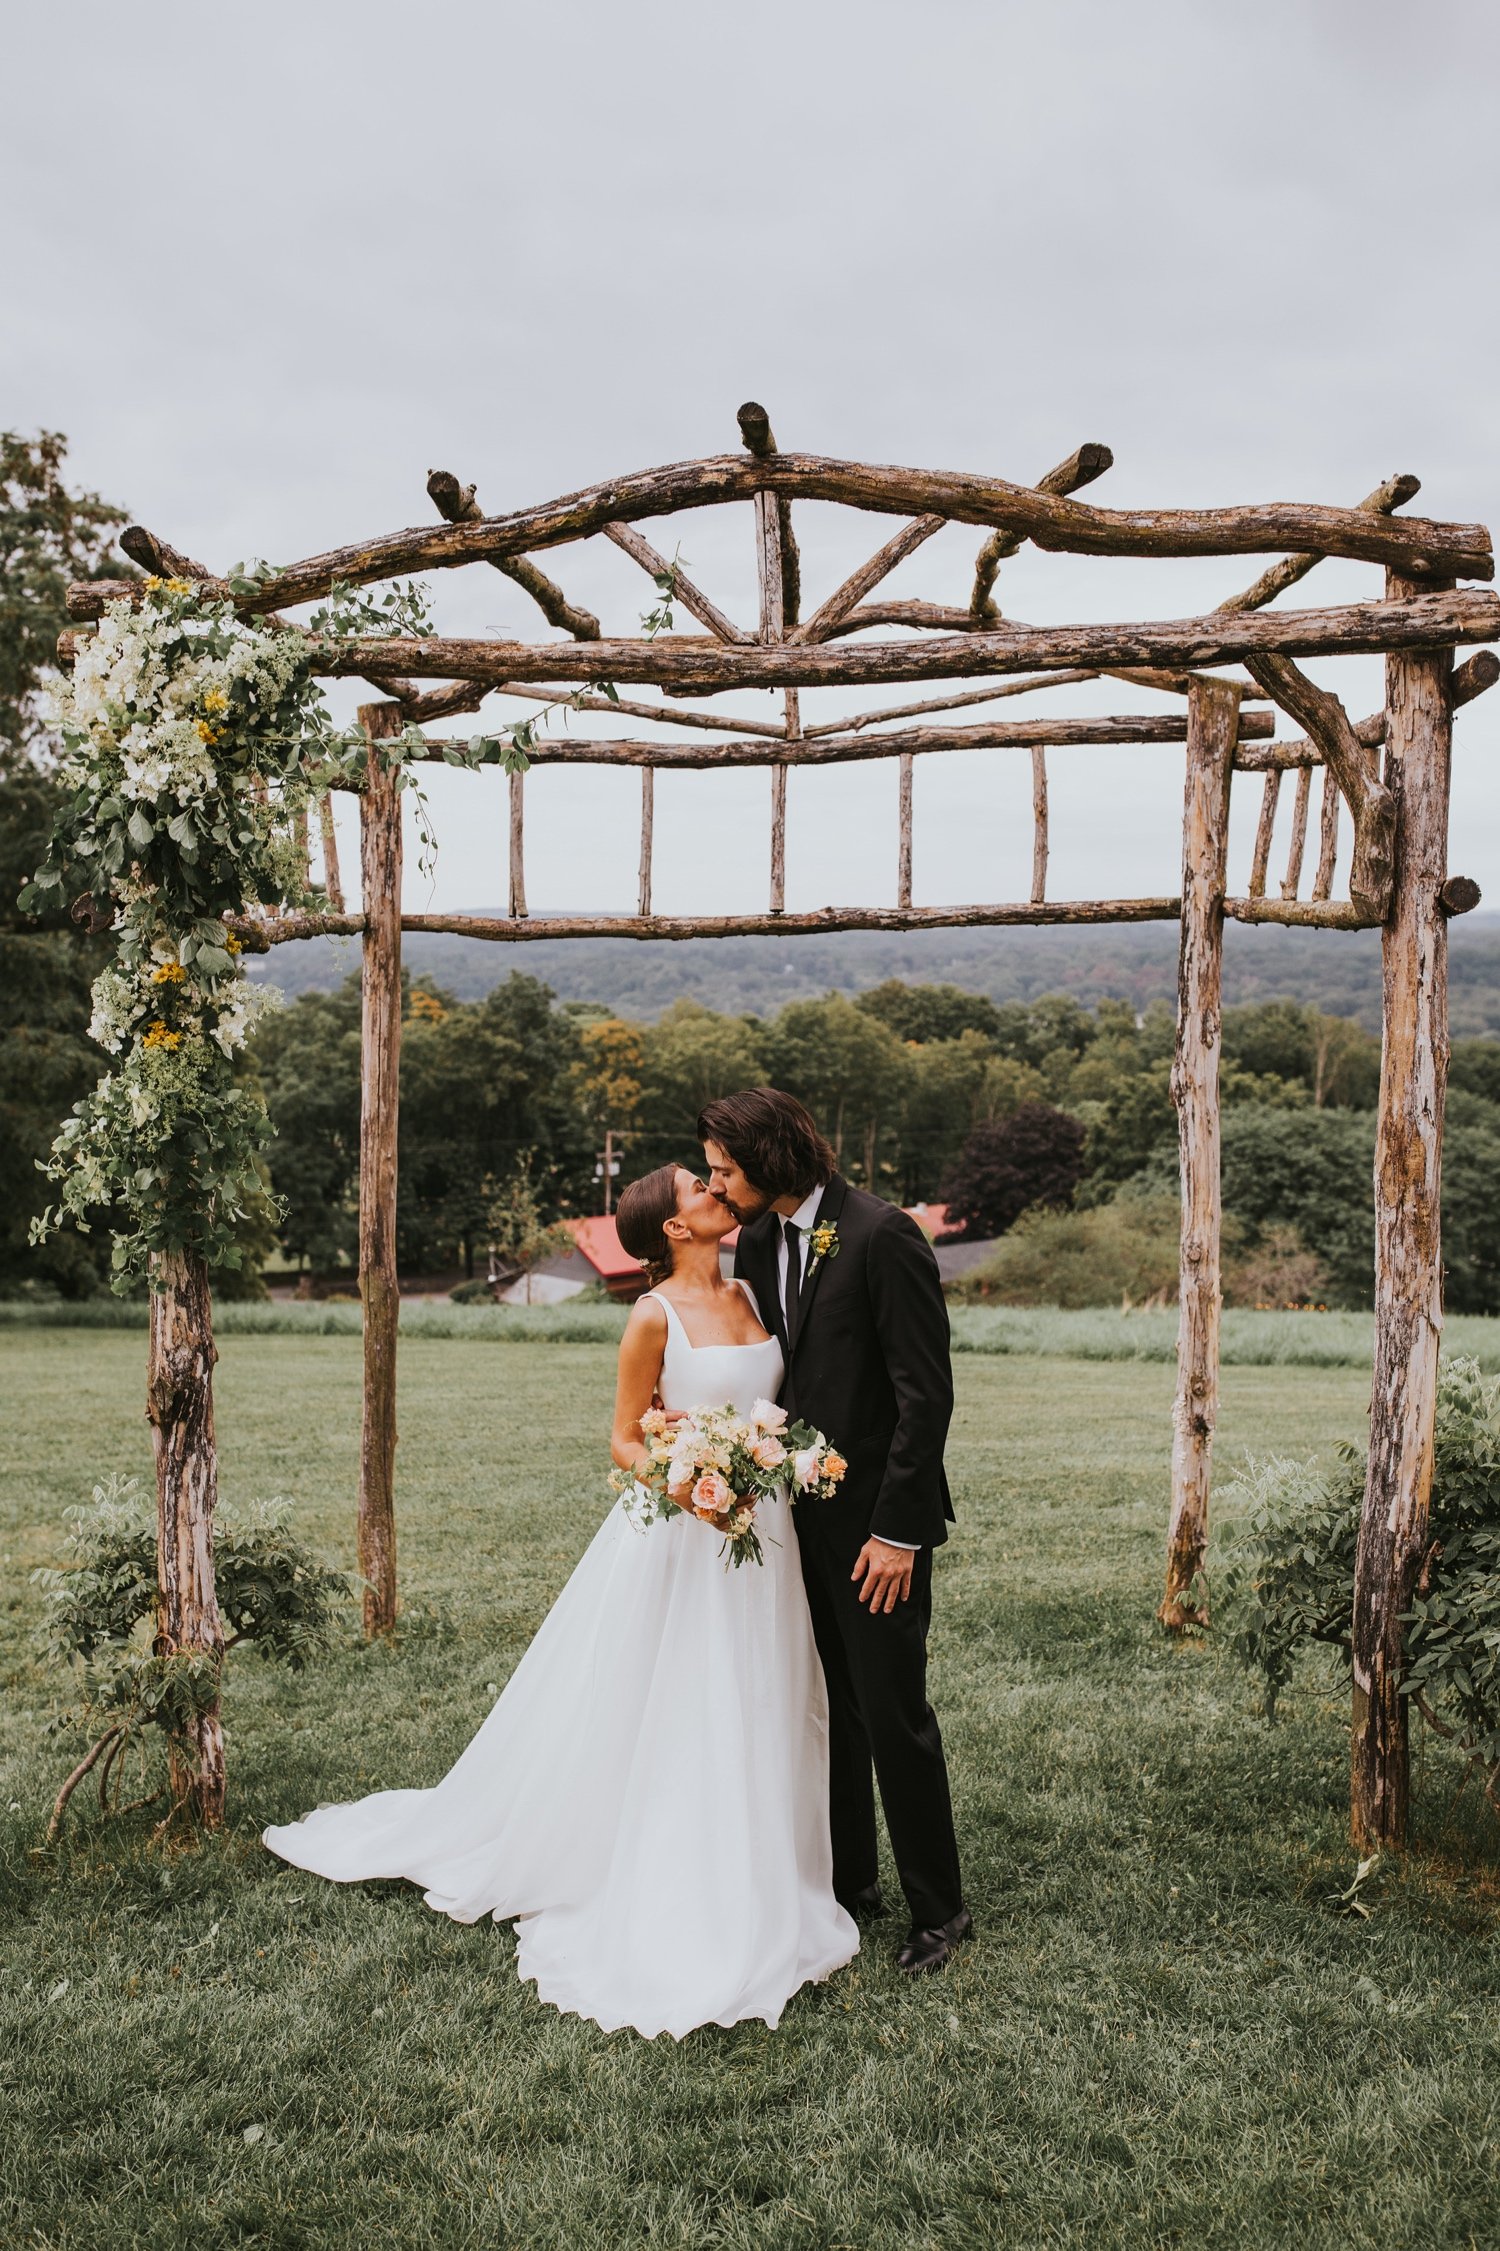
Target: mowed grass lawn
pixel 1167 2030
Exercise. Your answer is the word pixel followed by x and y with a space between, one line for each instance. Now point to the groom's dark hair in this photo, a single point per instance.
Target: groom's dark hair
pixel 772 1138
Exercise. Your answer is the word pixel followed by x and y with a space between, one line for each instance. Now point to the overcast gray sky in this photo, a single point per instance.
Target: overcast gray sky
pixel 268 267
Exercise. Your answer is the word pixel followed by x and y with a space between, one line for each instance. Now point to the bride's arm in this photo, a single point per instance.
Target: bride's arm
pixel 642 1349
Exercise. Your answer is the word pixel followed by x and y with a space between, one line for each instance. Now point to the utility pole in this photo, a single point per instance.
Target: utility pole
pixel 606 1168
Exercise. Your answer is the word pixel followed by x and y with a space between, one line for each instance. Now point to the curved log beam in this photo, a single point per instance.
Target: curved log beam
pixel 1413 544
pixel 1369 801
pixel 939 617
pixel 456 504
pixel 260 937
pixel 696 664
pixel 907 742
pixel 1080 468
pixel 1386 498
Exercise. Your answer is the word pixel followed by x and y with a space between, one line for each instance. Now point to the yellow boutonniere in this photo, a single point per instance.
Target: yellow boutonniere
pixel 824 1239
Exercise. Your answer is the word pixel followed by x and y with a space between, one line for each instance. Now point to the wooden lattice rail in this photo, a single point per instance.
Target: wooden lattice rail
pixel 1396 873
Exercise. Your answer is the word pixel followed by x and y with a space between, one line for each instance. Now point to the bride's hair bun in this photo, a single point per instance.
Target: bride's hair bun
pixel 640 1221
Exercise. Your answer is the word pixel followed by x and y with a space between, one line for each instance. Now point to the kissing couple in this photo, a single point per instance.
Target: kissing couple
pixel 674 1797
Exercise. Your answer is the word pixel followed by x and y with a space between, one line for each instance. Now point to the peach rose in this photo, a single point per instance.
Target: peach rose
pixel 767 1416
pixel 768 1452
pixel 834 1466
pixel 805 1466
pixel 711 1494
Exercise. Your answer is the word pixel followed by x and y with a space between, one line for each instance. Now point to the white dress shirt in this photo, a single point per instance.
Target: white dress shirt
pixel 805 1217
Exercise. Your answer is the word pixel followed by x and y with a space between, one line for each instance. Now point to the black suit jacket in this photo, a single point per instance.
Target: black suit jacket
pixel 870 1366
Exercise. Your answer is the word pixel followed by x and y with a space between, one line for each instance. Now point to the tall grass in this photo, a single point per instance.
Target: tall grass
pixel 1250 1339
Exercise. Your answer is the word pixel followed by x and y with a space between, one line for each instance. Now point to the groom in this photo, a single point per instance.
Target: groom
pixel 851 1287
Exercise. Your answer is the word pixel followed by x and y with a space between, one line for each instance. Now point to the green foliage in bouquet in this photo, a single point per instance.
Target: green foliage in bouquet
pixel 1295 1586
pixel 101 1611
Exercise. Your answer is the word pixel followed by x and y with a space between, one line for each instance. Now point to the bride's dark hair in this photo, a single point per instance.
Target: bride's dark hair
pixel 640 1220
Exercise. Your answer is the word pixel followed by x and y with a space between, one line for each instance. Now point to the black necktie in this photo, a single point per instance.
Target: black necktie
pixel 793 1235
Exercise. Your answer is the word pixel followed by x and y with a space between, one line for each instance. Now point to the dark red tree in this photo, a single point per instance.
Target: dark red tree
pixel 1035 1156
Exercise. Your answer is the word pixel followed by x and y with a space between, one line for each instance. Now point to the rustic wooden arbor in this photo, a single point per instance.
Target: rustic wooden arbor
pixel 1397 874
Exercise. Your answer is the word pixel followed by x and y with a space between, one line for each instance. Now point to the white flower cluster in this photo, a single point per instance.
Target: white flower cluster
pixel 150 692
pixel 226 1011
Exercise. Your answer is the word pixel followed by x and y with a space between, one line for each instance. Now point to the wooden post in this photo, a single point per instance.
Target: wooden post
pixel 648 832
pixel 380 1094
pixel 1039 840
pixel 903 846
pixel 778 838
pixel 1213 722
pixel 1328 836
pixel 1263 831
pixel 518 847
pixel 1408 1266
pixel 332 881
pixel 1292 880
pixel 768 562
pixel 180 1410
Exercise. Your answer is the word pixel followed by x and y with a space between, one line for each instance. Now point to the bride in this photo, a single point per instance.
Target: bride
pixel 665 1737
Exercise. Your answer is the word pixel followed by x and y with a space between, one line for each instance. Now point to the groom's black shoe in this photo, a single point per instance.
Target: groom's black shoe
pixel 930 1949
pixel 864 1905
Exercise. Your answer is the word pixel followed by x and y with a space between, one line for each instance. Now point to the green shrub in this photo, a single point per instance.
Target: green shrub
pixel 1294 1588
pixel 101 1613
pixel 1123 1252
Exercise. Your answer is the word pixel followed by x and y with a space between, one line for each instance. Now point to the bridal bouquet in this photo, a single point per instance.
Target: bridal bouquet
pixel 718 1465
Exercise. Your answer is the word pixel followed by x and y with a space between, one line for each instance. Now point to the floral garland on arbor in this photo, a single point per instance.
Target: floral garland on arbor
pixel 193 740
pixel 187 737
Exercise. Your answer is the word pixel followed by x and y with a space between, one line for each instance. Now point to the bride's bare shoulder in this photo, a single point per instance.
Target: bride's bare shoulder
pixel 648 1319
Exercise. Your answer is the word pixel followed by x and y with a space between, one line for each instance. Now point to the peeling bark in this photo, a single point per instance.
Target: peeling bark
pixel 1213 720
pixel 1408 1242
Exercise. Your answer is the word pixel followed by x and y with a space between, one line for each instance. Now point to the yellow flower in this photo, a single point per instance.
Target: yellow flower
pixel 206 733
pixel 179 586
pixel 160 1036
pixel 169 973
pixel 214 699
pixel 232 944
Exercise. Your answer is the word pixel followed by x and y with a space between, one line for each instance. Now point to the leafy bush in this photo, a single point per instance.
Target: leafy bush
pixel 1296 1586
pixel 1123 1252
pixel 1278 1270
pixel 101 1610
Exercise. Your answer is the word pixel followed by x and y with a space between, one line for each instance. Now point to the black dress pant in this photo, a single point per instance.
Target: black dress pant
pixel 879 1719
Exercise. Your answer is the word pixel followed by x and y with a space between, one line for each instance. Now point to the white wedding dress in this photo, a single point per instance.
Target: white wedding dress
pixel 649 1797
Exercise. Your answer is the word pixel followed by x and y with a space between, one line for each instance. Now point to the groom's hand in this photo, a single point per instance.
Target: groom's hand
pixel 886 1572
